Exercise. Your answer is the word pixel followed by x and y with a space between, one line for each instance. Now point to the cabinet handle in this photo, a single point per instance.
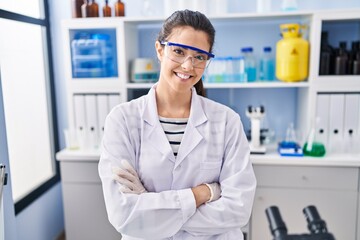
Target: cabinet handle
pixel 305 178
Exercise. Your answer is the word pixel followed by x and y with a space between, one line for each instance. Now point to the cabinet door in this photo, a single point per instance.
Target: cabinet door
pixel 85 214
pixel 335 208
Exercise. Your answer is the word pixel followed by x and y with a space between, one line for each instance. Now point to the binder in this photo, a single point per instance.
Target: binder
pixel 103 110
pixel 80 119
pixel 92 123
pixel 114 99
pixel 351 121
pixel 336 123
pixel 322 118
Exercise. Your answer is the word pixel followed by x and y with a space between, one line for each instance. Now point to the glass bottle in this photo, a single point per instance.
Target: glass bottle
pixel 119 9
pixel 352 57
pixel 85 9
pixel 267 65
pixel 341 60
pixel 326 56
pixel 94 9
pixel 76 8
pixel 356 64
pixel 106 9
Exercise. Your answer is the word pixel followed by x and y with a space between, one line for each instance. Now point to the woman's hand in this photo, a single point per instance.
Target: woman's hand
pixel 206 193
pixel 128 179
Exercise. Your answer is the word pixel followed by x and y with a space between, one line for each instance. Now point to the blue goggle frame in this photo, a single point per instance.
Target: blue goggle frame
pixel 210 55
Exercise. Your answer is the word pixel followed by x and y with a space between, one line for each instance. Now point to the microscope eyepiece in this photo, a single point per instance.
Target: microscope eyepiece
pixel 277 225
pixel 315 223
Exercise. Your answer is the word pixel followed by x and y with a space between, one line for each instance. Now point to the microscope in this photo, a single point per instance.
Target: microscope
pixel 256 114
pixel 316 225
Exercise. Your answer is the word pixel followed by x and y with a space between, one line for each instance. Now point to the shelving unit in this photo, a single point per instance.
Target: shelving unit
pixel 294 102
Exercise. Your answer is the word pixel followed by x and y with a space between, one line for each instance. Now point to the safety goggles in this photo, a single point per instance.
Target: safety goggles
pixel 180 53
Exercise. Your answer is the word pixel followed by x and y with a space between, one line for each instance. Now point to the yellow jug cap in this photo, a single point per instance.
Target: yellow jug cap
pixel 290 30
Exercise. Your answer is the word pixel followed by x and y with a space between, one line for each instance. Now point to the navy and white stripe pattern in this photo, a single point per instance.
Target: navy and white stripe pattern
pixel 174 129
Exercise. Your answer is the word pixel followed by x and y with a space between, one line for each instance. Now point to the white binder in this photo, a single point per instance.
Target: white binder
pixel 351 121
pixel 92 123
pixel 336 123
pixel 322 118
pixel 103 110
pixel 80 119
pixel 114 99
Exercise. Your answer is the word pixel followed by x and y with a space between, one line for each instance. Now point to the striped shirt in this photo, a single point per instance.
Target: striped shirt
pixel 174 129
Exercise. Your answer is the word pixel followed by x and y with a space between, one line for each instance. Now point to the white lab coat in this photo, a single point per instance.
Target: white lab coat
pixel 214 148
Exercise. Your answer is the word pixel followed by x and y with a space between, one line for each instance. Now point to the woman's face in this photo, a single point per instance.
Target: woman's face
pixel 176 76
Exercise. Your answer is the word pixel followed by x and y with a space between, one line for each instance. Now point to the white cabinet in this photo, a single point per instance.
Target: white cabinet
pixel 332 190
pixel 84 206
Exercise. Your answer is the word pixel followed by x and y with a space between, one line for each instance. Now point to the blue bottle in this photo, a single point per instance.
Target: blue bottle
pixel 267 65
pixel 250 63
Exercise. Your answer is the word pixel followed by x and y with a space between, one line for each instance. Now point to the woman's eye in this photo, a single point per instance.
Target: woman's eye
pixel 178 51
pixel 201 57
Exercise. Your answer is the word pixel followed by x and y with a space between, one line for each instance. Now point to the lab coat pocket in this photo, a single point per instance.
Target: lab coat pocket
pixel 210 171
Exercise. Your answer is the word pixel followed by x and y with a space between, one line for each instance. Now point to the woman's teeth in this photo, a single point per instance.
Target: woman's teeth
pixel 183 76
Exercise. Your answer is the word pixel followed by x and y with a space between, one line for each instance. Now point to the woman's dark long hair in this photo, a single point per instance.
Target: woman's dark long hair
pixel 196 20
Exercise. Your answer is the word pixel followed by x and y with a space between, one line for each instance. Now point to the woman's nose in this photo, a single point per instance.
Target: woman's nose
pixel 188 64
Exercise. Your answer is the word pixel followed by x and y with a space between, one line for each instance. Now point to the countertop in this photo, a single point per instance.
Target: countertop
pixel 270 158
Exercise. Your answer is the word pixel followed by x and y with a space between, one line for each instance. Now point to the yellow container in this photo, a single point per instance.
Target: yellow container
pixel 292 54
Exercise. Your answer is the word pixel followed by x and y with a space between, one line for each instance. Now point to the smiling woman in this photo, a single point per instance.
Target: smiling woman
pixel 175 164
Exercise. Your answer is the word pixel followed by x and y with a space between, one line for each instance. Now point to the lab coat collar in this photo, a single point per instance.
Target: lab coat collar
pixel 156 134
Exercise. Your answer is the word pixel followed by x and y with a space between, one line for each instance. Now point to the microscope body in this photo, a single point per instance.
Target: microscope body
pixel 316 225
pixel 255 114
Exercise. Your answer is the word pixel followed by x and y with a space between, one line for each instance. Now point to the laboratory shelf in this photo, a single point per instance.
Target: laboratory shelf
pixel 233 85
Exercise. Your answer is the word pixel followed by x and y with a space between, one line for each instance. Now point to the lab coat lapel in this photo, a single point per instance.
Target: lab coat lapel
pixel 153 131
pixel 192 136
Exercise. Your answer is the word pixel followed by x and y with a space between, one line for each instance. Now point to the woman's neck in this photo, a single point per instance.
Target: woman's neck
pixel 173 104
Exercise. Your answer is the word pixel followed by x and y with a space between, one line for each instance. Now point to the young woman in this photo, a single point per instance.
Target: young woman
pixel 174 164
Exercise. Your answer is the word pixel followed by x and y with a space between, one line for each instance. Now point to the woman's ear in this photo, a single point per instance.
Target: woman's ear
pixel 159 50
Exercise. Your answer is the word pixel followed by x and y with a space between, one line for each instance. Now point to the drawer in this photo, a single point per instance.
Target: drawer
pixel 307 177
pixel 80 172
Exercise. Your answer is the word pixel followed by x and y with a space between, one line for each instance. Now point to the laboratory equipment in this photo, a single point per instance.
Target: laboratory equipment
pixel 106 9
pixel 267 65
pixel 292 54
pixel 144 70
pixel 312 147
pixel 289 5
pixel 290 147
pixel 256 114
pixel 326 56
pixel 263 6
pixel 119 8
pixel 250 63
pixel 93 54
pixel 316 226
pixel 341 59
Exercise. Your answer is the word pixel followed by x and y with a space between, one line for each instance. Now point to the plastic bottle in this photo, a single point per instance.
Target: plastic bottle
pixel 326 56
pixel 119 9
pixel 341 60
pixel 267 65
pixel 250 63
pixel 106 9
pixel 292 54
